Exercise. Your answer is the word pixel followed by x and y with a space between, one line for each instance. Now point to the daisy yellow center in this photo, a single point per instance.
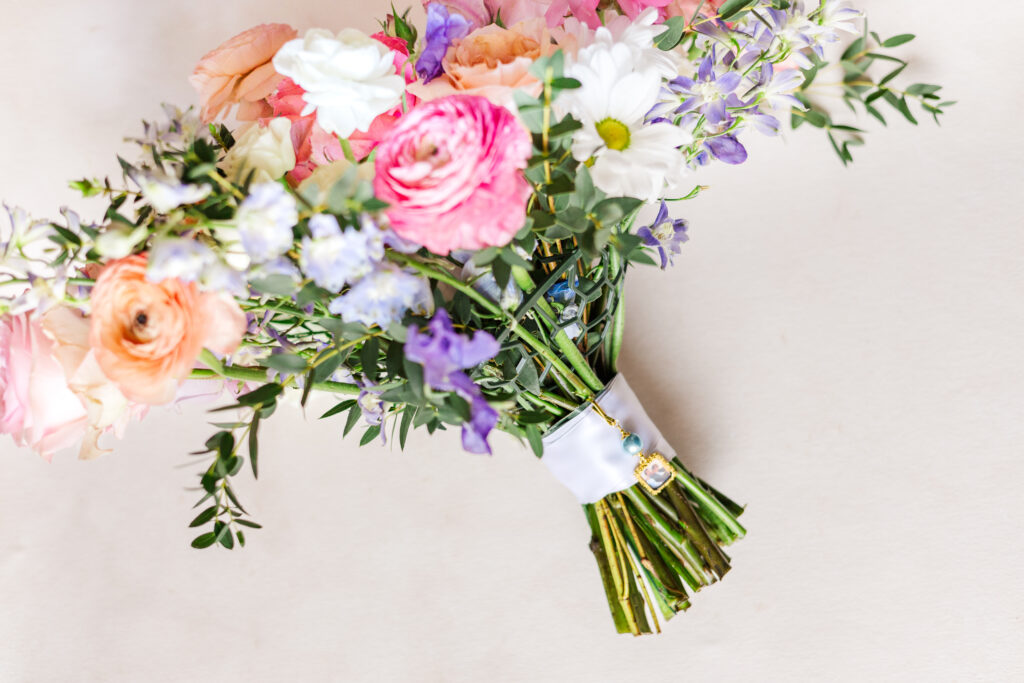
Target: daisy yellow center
pixel 614 133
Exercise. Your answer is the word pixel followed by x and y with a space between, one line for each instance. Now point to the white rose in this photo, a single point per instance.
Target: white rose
pixel 267 150
pixel 349 79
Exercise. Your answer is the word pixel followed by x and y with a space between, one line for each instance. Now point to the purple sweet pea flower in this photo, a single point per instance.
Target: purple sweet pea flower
pixel 443 352
pixel 708 93
pixel 442 28
pixel 444 355
pixel 727 148
pixel 666 234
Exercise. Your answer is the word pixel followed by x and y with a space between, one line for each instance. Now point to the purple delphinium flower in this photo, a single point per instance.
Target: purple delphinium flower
pixel 382 297
pixel 444 355
pixel 665 233
pixel 442 28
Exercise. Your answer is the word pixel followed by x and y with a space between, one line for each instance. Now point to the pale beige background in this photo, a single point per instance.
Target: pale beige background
pixel 839 348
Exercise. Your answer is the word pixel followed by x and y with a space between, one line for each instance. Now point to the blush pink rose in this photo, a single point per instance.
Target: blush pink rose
pixel 37 407
pixel 451 170
pixel 240 71
pixel 107 408
pixel 147 335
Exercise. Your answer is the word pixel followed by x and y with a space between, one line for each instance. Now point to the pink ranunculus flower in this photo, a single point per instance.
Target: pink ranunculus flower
pixel 451 170
pixel 240 71
pixel 37 407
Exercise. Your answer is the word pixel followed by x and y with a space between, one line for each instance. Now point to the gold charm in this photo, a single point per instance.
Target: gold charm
pixel 654 472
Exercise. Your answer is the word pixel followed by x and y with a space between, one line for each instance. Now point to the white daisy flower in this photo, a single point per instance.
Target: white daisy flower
pixel 630 158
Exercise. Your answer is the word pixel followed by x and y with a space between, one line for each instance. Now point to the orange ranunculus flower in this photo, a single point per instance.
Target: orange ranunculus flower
pixel 147 335
pixel 240 71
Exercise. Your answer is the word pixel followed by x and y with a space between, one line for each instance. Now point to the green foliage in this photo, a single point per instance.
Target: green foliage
pixel 861 89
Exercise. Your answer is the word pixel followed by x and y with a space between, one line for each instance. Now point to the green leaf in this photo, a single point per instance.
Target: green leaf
pixel 354 414
pixel 204 540
pixel 254 445
pixel 901 39
pixel 370 434
pixel 246 522
pixel 287 363
pixel 614 209
pixel 260 396
pixel 275 285
pixel 204 516
pixel 672 35
pixel 368 356
pixel 534 437
pixel 340 407
pixel 408 414
pixel 224 537
pixel 731 8
pixel 923 89
pixel 892 74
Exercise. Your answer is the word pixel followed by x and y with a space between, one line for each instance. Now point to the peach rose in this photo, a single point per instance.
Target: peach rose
pixel 147 335
pixel 240 71
pixel 491 62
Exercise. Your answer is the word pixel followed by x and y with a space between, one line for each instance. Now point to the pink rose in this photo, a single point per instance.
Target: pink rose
pixel 451 170
pixel 240 71
pixel 36 406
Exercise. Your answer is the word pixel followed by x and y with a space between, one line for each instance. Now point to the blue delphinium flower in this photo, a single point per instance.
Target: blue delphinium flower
pixel 334 257
pixel 265 220
pixel 178 257
pixel 444 355
pixel 442 28
pixel 666 234
pixel 382 298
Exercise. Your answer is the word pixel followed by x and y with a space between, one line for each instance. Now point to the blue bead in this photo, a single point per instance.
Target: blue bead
pixel 632 444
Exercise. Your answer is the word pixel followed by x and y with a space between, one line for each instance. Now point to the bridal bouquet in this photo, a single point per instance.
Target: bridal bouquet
pixel 435 229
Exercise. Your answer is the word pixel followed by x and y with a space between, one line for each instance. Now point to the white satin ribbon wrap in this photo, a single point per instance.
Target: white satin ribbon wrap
pixel 586 453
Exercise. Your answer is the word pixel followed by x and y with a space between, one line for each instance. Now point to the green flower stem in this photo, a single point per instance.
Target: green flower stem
pixel 674 538
pixel 709 503
pixel 579 386
pixel 716 559
pixel 604 567
pixel 246 374
pixel 561 339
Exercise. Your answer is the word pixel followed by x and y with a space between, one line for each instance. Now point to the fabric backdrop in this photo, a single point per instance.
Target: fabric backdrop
pixel 839 348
